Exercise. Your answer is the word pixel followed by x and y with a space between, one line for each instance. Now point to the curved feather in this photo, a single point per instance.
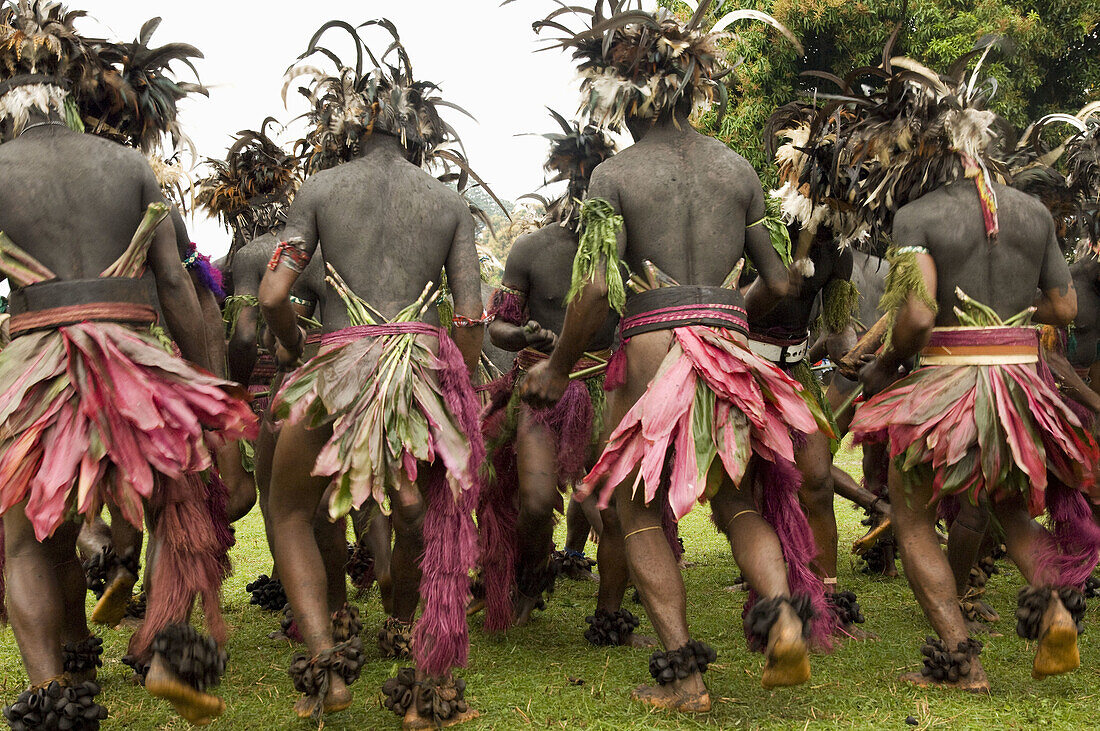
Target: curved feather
pixel 749 14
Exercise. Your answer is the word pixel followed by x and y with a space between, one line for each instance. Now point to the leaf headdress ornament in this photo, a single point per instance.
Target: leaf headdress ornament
pixel 636 63
pixel 250 190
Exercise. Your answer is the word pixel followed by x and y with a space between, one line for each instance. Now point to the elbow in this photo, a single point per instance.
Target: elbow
pixel 780 288
pixel 497 335
pixel 1064 314
pixel 269 297
pixel 922 319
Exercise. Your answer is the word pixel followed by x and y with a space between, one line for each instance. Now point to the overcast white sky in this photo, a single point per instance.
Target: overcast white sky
pixel 480 54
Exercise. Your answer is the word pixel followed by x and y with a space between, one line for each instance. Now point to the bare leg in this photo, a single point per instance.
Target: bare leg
pixel 758 553
pixel 408 545
pixel 577 527
pixel 293 504
pixel 537 463
pixel 41 594
pixel 241 485
pixel 379 538
pixel 964 542
pixel 126 539
pixel 816 495
pixel 1057 652
pixel 928 571
pixel 332 541
pixel 95 537
pixel 264 453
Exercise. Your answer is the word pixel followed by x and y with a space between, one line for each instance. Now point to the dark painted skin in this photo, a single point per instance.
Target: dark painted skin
pixel 686 200
pixel 1005 276
pixel 1086 326
pixel 793 315
pixel 388 228
pixel 73 201
pixel 541 264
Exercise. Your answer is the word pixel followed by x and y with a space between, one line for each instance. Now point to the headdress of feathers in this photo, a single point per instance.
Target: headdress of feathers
pixel 250 190
pixel 635 63
pixel 1035 164
pixel 1082 163
pixel 916 131
pixel 134 100
pixel 42 57
pixel 574 154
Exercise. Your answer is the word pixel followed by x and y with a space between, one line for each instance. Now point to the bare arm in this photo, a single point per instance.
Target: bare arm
pixel 510 336
pixel 838 344
pixel 586 314
pixel 1057 303
pixel 464 278
pixel 773 283
pixel 213 329
pixel 274 294
pixel 174 289
pixel 248 268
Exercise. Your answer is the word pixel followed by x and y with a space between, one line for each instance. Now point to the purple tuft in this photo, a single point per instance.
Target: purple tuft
pixel 948 509
pixel 190 562
pixel 570 421
pixel 497 511
pixel 208 275
pixel 777 489
pixel 441 638
pixel 507 307
pixel 615 375
pixel 1069 556
pixel 3 605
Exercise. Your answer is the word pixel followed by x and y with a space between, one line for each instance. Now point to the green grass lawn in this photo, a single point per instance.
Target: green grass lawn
pixel 547 676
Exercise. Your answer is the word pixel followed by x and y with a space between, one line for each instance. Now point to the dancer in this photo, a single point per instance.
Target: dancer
pixel 684 360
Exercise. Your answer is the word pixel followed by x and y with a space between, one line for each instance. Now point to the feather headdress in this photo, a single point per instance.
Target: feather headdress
pixel 634 63
pixel 134 99
pixel 913 132
pixel 574 154
pixel 1082 162
pixel 42 57
pixel 250 190
pixel 353 103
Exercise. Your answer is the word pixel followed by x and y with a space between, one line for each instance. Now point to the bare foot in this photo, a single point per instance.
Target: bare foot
pixel 1057 651
pixel 788 656
pixel 111 607
pixel 338 698
pixel 525 605
pixel 976 682
pixel 669 698
pixel 871 537
pixel 414 720
pixel 197 707
pixel 639 642
pixel 475 606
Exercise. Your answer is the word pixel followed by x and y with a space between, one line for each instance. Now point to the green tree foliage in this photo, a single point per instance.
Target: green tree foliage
pixel 1051 61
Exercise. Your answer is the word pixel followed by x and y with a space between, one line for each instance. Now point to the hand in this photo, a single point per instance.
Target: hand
pixel 539 337
pixel 877 375
pixel 543 387
pixel 288 358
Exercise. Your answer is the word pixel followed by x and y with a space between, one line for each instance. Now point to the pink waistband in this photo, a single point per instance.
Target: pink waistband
pixel 962 336
pixel 358 332
pixel 679 315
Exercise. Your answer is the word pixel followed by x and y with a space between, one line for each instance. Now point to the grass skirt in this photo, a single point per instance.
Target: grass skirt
pixel 386 422
pixel 97 413
pixel 713 398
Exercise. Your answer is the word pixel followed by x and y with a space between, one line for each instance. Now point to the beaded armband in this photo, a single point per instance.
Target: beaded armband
pixel 463 321
pixel 290 254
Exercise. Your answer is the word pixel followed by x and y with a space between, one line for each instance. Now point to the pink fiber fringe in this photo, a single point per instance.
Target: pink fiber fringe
pixel 570 421
pixel 1070 556
pixel 441 639
pixel 190 562
pixel 217 500
pixel 3 604
pixel 615 375
pixel 507 307
pixel 777 486
pixel 497 515
pixel 948 509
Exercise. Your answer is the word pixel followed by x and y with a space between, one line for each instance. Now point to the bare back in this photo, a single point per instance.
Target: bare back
pixel 388 228
pixel 72 201
pixel 1004 275
pixel 250 264
pixel 686 200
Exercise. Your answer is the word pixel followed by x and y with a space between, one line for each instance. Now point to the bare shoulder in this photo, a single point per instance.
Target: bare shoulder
pixel 529 245
pixel 255 252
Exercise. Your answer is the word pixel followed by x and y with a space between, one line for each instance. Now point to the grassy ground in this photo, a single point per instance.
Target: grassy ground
pixel 547 676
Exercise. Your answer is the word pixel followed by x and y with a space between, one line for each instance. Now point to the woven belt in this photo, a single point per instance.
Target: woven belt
pixel 667 308
pixel 778 351
pixel 57 303
pixel 978 346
